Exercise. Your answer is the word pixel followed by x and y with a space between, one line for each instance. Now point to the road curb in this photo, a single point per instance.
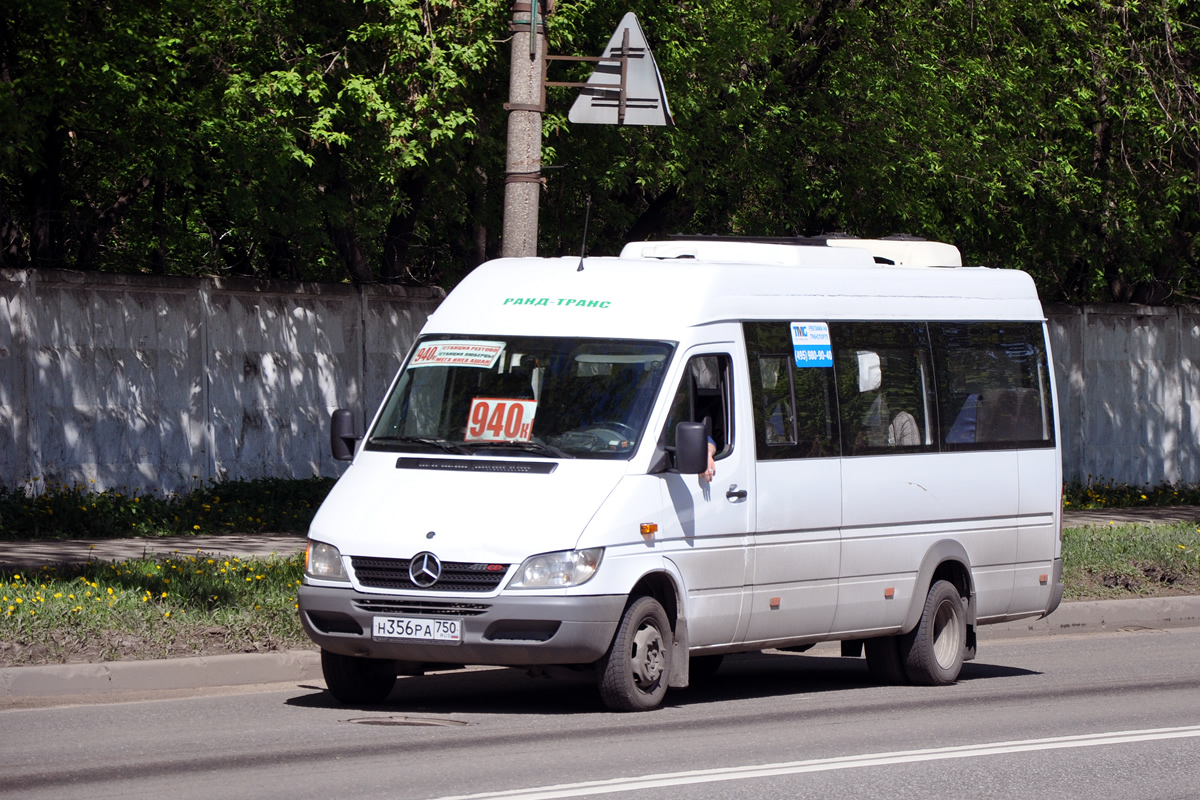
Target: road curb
pixel 1102 616
pixel 110 677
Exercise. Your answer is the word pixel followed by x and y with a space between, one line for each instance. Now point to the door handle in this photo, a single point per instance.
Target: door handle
pixel 735 493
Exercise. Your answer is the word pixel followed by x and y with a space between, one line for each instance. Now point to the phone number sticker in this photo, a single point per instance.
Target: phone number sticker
pixel 811 345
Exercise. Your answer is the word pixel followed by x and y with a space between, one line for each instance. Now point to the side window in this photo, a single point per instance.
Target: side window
pixel 705 394
pixel 993 385
pixel 795 404
pixel 885 387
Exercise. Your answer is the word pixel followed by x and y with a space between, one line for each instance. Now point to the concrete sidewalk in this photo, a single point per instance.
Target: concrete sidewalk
pixel 39 553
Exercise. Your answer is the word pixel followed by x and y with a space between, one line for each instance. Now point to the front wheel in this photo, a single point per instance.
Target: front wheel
pixel 357 681
pixel 933 651
pixel 634 672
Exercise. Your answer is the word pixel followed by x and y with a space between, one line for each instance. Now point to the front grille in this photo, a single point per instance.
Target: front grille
pixel 423 607
pixel 392 573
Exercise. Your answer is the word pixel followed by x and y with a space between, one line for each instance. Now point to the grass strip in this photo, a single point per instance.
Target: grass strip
pixel 1130 560
pixel 150 608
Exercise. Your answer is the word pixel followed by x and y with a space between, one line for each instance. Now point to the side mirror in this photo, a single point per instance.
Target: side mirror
pixel 691 448
pixel 341 435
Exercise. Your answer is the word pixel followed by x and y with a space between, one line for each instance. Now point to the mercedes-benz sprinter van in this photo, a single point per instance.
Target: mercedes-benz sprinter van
pixel 631 466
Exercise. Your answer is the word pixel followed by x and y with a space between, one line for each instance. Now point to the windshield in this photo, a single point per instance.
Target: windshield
pixel 537 396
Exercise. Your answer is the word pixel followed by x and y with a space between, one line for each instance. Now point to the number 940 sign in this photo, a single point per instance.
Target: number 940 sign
pixel 499 419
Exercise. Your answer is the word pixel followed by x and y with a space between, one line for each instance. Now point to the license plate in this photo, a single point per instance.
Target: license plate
pixel 428 630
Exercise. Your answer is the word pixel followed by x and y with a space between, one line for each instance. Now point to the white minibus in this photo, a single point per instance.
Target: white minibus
pixel 628 467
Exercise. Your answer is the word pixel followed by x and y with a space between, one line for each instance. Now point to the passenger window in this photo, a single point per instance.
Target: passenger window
pixel 795 407
pixel 885 387
pixel 705 395
pixel 993 385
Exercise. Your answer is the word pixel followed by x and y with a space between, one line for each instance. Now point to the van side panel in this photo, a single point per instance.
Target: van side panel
pixel 797 548
pixel 895 507
pixel 1037 544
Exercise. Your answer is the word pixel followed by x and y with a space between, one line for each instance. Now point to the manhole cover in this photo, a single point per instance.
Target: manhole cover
pixel 409 722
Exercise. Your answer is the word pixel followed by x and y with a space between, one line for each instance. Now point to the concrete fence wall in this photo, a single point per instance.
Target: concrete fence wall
pixel 1129 392
pixel 156 383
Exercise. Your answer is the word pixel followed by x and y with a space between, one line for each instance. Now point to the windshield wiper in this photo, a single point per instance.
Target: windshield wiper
pixel 529 447
pixel 443 444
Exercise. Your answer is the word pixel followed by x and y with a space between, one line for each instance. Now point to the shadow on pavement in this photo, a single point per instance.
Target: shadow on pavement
pixel 741 676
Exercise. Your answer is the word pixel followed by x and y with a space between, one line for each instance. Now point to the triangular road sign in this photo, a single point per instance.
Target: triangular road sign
pixel 626 87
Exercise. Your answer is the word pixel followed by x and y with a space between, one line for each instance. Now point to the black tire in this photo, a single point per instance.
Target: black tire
pixel 358 681
pixel 884 662
pixel 634 672
pixel 704 668
pixel 933 651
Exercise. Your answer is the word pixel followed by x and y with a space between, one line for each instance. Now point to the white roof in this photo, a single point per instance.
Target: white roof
pixel 898 251
pixel 656 289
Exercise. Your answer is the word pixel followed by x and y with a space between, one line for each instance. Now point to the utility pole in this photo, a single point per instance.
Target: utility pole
pixel 526 102
pixel 625 89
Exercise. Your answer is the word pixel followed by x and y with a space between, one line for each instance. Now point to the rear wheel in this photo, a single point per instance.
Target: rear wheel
pixel 634 672
pixel 358 681
pixel 933 651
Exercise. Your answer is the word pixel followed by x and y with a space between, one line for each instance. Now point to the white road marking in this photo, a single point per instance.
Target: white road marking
pixel 613 785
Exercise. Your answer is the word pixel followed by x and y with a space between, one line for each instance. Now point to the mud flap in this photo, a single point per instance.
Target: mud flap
pixel 680 660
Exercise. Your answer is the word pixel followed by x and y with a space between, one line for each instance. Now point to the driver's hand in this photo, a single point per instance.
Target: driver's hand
pixel 711 472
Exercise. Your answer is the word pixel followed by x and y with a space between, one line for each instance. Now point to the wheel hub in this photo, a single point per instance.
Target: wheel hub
pixel 947 642
pixel 648 657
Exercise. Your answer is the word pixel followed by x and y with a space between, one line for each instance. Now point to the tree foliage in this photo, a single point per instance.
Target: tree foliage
pixel 364 139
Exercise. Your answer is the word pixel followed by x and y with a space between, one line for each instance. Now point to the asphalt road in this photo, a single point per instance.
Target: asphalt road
pixel 1113 715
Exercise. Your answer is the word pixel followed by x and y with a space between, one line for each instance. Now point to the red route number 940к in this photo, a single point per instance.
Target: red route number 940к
pixel 500 419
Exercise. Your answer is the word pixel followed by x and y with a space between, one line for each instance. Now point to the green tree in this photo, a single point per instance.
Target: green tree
pixel 272 139
pixel 1058 137
pixel 364 139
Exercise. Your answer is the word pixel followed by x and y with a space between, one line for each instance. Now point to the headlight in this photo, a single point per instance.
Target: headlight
pixel 324 562
pixel 557 570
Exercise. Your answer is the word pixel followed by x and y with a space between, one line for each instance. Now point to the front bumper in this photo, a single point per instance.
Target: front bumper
pixel 497 631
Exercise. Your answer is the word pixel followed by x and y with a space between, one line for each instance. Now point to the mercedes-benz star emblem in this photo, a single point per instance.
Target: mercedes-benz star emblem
pixel 424 570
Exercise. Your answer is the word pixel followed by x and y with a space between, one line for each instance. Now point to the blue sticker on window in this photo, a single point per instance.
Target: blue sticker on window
pixel 811 345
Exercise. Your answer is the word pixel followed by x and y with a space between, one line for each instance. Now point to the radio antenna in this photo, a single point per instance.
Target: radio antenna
pixel 587 214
